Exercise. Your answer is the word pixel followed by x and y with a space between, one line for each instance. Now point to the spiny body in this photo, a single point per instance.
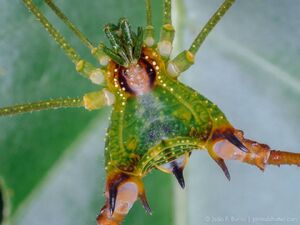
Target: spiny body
pixel 156 120
pixel 156 127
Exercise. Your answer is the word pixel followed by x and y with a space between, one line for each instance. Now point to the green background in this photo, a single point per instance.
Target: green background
pixel 52 162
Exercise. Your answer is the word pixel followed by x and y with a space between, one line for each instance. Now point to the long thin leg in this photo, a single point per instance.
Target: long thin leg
pixel 167 32
pixel 186 58
pixel 96 51
pixel 43 105
pixel 167 18
pixel 90 101
pixel 72 27
pixel 85 68
pixel 210 25
pixel 149 36
pixel 71 52
pixel 149 12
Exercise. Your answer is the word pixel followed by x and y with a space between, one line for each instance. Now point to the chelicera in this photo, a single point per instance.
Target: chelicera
pixel 156 120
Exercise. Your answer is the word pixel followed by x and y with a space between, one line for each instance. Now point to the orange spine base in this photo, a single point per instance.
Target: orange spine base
pixel 256 153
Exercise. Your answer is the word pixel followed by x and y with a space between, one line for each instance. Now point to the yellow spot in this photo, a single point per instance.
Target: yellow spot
pixel 168 27
pixel 190 57
pixel 94 51
pixel 80 65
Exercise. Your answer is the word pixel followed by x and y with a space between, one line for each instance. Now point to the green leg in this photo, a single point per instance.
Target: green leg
pixel 85 68
pixel 167 32
pixel 43 105
pixel 75 30
pixel 186 58
pixel 149 35
pixel 91 101
pixel 96 51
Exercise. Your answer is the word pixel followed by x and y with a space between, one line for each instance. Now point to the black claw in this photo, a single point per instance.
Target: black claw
pixel 112 199
pixel 235 141
pixel 178 173
pixel 223 166
pixel 146 204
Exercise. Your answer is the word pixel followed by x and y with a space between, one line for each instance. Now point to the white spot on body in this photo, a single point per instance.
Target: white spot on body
pixel 173 70
pixel 110 98
pixel 104 60
pixel 179 162
pixel 165 48
pixel 127 195
pixel 227 151
pixel 149 41
pixel 97 76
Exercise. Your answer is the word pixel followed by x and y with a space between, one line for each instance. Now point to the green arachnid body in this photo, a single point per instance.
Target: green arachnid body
pixel 159 126
pixel 156 120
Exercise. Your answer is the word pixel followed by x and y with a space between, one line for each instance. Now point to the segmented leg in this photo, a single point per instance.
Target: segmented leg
pixel 186 58
pixel 43 105
pixel 167 32
pixel 85 68
pixel 72 27
pixel 258 154
pixel 90 101
pixel 96 51
pixel 149 36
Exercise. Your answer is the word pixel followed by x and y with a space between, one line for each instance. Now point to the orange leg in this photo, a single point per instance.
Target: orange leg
pixel 223 148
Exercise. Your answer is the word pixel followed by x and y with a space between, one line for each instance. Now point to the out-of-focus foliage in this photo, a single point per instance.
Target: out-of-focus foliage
pixel 249 66
pixel 52 161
